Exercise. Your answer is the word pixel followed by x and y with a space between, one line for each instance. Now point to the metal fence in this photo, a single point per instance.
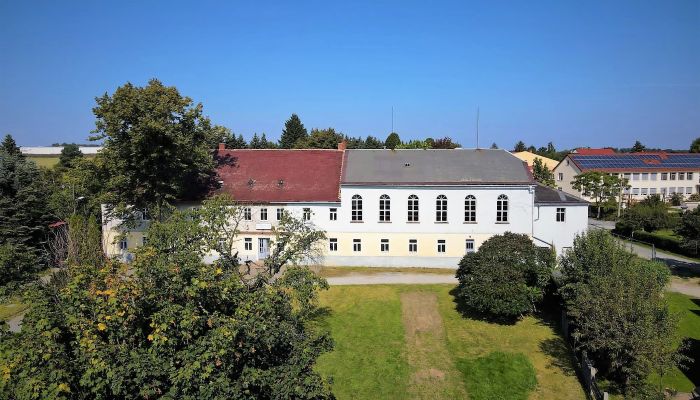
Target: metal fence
pixel 584 366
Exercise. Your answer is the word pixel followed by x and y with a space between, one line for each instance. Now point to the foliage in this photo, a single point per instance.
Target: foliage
pixel 506 277
pixel 77 189
pixel 695 146
pixel 17 262
pixel 24 215
pixel 392 141
pixel 650 214
pixel 167 326
pixel 600 186
pixel 69 154
pixel 443 143
pixel 9 146
pixel 542 174
pixel 236 142
pixel 618 311
pixel 494 146
pixel 520 146
pixel 676 199
pixel 296 241
pixel 156 147
pixel 84 241
pixel 638 147
pixel 293 132
pixel 320 139
pixel 668 243
pixel 689 229
pixel 414 144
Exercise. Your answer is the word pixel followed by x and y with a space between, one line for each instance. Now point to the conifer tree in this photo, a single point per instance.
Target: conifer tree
pixel 293 132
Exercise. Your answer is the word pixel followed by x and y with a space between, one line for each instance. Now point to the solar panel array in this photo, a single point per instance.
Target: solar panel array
pixel 638 161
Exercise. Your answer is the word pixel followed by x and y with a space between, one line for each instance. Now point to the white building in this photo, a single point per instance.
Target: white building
pixel 409 208
pixel 647 173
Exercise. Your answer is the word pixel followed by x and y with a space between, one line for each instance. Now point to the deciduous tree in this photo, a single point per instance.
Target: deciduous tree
pixel 69 154
pixel 695 146
pixel 599 186
pixel 541 173
pixel 392 141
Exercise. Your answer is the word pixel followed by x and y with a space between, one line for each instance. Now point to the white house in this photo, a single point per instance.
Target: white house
pixel 409 208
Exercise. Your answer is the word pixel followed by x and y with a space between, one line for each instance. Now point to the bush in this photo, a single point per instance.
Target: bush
pixel 650 214
pixel 17 263
pixel 668 243
pixel 506 277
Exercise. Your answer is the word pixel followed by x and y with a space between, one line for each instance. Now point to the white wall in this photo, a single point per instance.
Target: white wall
pixel 560 234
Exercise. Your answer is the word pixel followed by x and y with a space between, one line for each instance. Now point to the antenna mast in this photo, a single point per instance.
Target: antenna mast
pixel 477 127
pixel 392 119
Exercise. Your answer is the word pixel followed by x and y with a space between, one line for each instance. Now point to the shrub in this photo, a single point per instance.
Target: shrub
pixel 506 277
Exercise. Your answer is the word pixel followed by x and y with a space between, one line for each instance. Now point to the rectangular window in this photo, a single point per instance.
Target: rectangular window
pixel 671 190
pixel 681 176
pixel 307 214
pixel 145 216
pixel 333 214
pixel 561 214
pixel 689 190
pixel 690 176
pixel 384 209
pixel 652 191
pixel 280 211
pixel 561 176
pixel 653 176
pixel 664 176
pixel 672 176
pixel 441 209
pixel 384 246
pixel 412 245
pixel 333 244
pixel 645 176
pixel 356 245
pixel 123 244
pixel 248 244
pixel 263 214
pixel 470 245
pixel 627 176
pixel 635 191
pixel 247 215
pixel 412 208
pixel 644 191
pixel 635 176
pixel 441 245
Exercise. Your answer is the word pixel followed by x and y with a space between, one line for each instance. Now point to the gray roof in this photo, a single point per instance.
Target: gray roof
pixel 425 167
pixel 548 195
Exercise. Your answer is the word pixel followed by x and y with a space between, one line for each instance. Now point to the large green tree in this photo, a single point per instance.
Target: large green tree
pixel 689 229
pixel 392 141
pixel 169 326
pixel 600 186
pixel 650 214
pixel 695 146
pixel 638 147
pixel 618 310
pixel 520 146
pixel 157 146
pixel 506 277
pixel 293 132
pixel 321 139
pixel 541 173
pixel 69 154
pixel 444 143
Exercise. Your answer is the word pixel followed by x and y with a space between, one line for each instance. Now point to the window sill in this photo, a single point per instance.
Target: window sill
pixel 413 222
pixel 357 222
pixel 441 222
pixel 383 222
pixel 470 222
pixel 503 223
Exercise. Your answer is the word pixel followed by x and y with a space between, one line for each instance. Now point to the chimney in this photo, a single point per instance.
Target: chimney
pixel 342 145
pixel 222 146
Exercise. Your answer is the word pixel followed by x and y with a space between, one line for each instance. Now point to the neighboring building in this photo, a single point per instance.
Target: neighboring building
pixel 647 173
pixel 55 151
pixel 414 208
pixel 529 158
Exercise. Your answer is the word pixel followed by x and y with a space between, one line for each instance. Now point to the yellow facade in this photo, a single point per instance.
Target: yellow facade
pixel 530 159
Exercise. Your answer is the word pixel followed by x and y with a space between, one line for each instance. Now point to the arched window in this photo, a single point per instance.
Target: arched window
pixel 357 207
pixel 502 208
pixel 384 208
pixel 413 208
pixel 441 208
pixel 470 209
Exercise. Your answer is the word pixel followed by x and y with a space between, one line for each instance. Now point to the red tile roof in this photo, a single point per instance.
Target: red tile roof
pixel 594 152
pixel 269 176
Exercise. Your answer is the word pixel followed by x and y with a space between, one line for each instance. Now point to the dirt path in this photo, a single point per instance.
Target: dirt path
pixel 433 375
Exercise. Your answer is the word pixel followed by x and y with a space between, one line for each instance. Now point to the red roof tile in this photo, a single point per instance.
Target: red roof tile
pixel 268 176
pixel 594 152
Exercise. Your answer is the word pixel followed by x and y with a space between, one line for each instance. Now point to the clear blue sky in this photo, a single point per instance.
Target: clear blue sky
pixel 589 73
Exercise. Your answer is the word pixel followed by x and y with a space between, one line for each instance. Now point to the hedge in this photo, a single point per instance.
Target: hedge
pixel 665 243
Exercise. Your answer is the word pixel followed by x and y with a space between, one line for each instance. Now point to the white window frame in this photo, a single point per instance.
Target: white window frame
pixel 413 214
pixel 263 214
pixel 441 246
pixel 356 208
pixel 333 214
pixel 333 244
pixel 384 245
pixel 470 209
pixel 502 209
pixel 384 208
pixel 412 245
pixel 247 214
pixel 469 246
pixel 306 214
pixel 441 208
pixel 280 212
pixel 561 214
pixel 248 244
pixel 357 245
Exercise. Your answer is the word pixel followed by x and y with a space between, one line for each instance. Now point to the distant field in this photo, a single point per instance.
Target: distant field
pixel 49 161
pixel 409 341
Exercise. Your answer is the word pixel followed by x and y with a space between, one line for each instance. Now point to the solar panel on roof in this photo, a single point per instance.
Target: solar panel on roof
pixel 641 161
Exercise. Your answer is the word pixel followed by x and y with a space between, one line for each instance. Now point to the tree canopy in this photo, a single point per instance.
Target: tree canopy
pixel 637 147
pixel 520 146
pixel 599 186
pixel 506 277
pixel 392 141
pixel 69 154
pixel 650 214
pixel 695 146
pixel 157 146
pixel 293 132
pixel 541 173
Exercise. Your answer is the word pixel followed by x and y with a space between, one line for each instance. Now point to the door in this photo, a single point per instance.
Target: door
pixel 263 248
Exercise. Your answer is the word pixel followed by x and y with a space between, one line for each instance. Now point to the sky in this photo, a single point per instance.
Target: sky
pixel 577 73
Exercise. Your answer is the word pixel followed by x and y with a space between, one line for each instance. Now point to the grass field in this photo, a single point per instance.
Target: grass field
pixel 409 341
pixel 48 162
pixel 689 329
pixel 11 307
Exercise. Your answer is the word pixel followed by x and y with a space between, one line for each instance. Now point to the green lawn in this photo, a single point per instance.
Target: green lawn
pixel 689 329
pixel 408 341
pixel 11 307
pixel 45 161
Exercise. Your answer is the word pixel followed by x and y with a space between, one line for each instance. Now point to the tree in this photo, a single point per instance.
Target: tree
pixel 265 144
pixel 169 326
pixel 676 199
pixel 443 143
pixel 84 241
pixel 494 146
pixel 542 174
pixel 156 147
pixel 77 189
pixel 695 146
pixel 372 142
pixel 599 186
pixel 650 214
pixel 9 146
pixel 689 228
pixel 638 146
pixel 69 154
pixel 236 142
pixel 520 146
pixel 414 144
pixel 321 139
pixel 617 308
pixel 24 215
pixel 392 141
pixel 506 277
pixel 293 132
pixel 255 142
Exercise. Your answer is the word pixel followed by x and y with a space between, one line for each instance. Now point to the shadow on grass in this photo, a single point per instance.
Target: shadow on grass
pixel 468 312
pixel 682 269
pixel 560 354
pixel 692 368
